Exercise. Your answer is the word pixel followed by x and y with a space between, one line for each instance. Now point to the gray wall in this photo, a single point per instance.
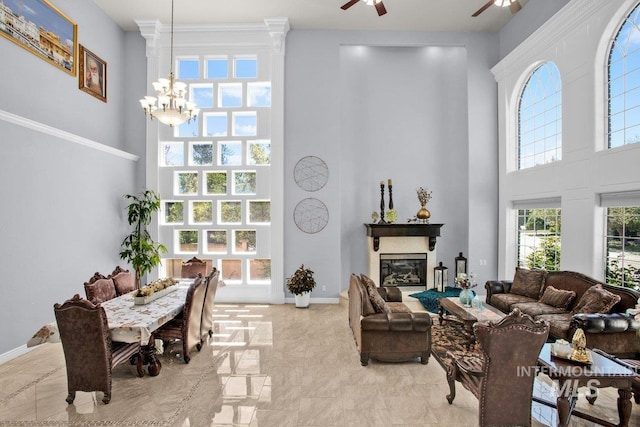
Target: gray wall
pixel 402 111
pixel 63 212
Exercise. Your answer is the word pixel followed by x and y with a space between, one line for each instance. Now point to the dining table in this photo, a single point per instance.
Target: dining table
pixel 130 322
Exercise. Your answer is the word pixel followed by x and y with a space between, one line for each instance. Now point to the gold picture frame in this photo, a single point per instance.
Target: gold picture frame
pixel 42 29
pixel 92 77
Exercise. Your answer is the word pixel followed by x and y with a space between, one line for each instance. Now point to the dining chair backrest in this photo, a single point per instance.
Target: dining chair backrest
pixel 193 312
pixel 99 289
pixel 193 267
pixel 88 349
pixel 206 324
pixel 123 281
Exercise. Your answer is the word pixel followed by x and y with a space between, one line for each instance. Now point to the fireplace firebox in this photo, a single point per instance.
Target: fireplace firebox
pixel 403 269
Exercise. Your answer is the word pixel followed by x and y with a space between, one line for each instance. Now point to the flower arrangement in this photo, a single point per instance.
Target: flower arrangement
pixel 464 281
pixel 424 196
pixel 158 285
pixel 302 281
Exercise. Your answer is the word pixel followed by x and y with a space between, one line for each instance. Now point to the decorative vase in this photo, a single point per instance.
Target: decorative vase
pixel 476 302
pixel 466 296
pixel 302 300
pixel 423 214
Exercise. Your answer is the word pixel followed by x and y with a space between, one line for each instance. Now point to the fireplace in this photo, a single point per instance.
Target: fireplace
pixel 403 270
pixel 405 252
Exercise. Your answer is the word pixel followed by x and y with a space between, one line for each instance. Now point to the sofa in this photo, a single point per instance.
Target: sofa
pixel 384 328
pixel 568 300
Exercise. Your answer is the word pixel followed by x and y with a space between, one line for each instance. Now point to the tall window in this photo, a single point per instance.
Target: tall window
pixel 214 172
pixel 540 118
pixel 624 83
pixel 539 238
pixel 622 242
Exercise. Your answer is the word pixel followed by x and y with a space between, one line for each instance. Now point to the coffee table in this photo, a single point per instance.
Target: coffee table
pixel 603 372
pixel 466 315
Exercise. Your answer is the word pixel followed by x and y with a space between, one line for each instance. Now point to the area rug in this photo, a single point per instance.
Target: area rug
pixel 429 298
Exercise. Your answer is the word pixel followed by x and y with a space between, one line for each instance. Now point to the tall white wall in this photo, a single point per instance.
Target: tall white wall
pixel 577 40
pixel 63 171
pixel 412 107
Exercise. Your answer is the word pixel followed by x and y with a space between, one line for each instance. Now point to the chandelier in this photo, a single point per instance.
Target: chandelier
pixel 173 107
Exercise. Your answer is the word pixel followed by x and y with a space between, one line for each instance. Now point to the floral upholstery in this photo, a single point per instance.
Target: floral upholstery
pixel 99 289
pixel 535 309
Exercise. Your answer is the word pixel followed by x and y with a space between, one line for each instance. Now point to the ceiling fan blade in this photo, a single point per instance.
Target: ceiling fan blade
pixel 380 8
pixel 514 6
pixel 348 4
pixel 483 8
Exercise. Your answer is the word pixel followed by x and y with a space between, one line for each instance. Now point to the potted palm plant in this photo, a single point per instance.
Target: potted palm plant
pixel 138 249
pixel 300 285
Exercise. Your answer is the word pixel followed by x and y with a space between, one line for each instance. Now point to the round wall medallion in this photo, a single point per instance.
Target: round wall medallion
pixel 311 215
pixel 311 173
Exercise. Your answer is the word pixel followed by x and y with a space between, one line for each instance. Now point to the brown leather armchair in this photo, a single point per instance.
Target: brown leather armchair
pixel 186 326
pixel 501 375
pixel 393 336
pixel 89 353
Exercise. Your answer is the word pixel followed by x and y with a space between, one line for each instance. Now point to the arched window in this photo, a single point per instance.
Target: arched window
pixel 624 83
pixel 540 118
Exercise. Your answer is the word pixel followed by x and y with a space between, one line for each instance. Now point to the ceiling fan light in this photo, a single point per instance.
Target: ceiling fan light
pixel 502 3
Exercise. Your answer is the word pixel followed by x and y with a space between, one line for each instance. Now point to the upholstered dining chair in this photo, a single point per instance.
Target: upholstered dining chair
pixel 123 281
pixel 193 267
pixel 99 288
pixel 186 326
pixel 89 353
pixel 498 377
pixel 206 322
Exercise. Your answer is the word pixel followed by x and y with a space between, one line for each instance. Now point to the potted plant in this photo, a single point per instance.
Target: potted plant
pixel 300 285
pixel 138 248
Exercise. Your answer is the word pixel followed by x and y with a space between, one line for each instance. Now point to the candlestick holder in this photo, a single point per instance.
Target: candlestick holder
pixel 390 197
pixel 382 221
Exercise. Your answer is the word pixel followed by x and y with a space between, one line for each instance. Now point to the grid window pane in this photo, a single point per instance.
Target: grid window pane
pixel 202 95
pixel 244 124
pixel 216 182
pixel 244 182
pixel 230 153
pixel 259 153
pixel 259 211
pixel 230 95
pixel 540 118
pixel 259 94
pixel 188 69
pixel 215 124
pixel 539 238
pixel 172 154
pixel 187 241
pixel 187 129
pixel 187 182
pixel 201 154
pixel 246 68
pixel 218 68
pixel 231 269
pixel 217 241
pixel 230 212
pixel 201 212
pixel 259 269
pixel 173 212
pixel 245 241
pixel 622 242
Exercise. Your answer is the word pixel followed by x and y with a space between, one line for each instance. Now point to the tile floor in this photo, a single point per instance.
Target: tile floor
pixel 265 366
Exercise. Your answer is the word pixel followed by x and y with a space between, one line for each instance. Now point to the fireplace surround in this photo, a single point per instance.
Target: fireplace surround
pixel 408 250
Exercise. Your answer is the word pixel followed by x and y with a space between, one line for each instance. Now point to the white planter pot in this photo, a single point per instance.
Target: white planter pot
pixel 302 300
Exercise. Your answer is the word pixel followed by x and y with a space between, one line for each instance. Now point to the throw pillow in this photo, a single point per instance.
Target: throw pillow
pixel 528 283
pixel 596 300
pixel 376 300
pixel 558 298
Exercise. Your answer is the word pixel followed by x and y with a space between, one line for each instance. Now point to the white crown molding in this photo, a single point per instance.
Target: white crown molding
pixel 558 27
pixel 64 135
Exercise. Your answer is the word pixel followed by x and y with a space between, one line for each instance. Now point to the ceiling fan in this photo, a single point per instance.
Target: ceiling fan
pixel 377 3
pixel 514 6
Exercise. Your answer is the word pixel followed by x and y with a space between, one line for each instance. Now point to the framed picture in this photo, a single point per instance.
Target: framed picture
pixel 39 27
pixel 92 77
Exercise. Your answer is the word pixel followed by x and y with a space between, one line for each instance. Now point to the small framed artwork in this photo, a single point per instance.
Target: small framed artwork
pixel 92 77
pixel 42 29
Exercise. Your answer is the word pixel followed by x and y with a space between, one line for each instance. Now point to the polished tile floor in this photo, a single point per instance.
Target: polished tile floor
pixel 265 366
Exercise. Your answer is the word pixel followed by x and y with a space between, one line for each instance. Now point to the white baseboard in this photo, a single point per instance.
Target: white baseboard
pixel 12 354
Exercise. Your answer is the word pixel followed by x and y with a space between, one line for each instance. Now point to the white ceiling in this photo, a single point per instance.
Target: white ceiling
pixel 402 15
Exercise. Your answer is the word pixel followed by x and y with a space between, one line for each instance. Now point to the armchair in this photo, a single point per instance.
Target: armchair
pixel 89 353
pixel 503 390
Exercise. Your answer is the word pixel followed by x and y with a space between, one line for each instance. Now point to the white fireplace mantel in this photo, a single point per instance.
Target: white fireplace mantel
pixel 401 239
